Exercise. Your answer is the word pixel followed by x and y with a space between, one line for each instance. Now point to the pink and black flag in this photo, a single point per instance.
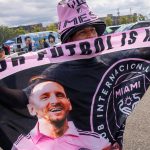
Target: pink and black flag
pixel 104 78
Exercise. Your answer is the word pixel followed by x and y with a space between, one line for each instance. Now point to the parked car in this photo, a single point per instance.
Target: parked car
pixel 132 26
pixel 111 29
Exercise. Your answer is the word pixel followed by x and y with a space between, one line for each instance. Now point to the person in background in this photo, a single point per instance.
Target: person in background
pixel 28 43
pixel 51 40
pixel 6 49
pixel 41 46
pixel 45 44
pixel 2 53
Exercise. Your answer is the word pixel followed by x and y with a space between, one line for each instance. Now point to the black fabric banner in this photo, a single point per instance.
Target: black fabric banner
pixel 103 89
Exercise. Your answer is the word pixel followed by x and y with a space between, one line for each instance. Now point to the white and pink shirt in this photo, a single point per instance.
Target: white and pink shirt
pixel 73 139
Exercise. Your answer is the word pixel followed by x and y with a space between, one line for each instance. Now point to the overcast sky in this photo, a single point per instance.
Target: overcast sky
pixel 21 12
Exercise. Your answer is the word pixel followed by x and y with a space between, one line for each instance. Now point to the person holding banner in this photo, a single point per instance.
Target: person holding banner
pixel 49 102
pixel 70 73
pixel 103 90
pixel 79 77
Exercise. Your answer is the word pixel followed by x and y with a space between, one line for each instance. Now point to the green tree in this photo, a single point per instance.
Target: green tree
pixel 51 27
pixel 123 20
pixel 134 18
pixel 20 30
pixel 108 21
pixel 6 33
pixel 129 19
pixel 36 29
pixel 141 17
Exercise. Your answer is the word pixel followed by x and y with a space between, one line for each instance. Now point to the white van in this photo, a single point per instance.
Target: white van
pixel 35 37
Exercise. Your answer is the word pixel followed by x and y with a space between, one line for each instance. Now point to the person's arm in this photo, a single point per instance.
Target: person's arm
pixel 108 145
pixel 107 148
pixel 115 146
pixel 119 136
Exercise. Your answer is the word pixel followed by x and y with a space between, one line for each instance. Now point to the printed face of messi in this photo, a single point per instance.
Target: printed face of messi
pixel 48 101
pixel 85 33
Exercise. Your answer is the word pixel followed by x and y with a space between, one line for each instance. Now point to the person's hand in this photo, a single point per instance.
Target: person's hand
pixel 107 148
pixel 115 146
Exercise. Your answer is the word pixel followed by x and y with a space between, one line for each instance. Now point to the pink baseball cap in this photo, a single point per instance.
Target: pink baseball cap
pixel 75 15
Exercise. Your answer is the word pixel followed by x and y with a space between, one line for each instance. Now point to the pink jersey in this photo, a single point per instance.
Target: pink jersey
pixel 73 139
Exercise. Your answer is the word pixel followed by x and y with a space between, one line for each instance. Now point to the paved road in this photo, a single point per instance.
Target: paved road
pixel 137 133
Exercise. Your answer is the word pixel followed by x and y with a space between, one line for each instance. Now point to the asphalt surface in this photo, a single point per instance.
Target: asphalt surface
pixel 137 132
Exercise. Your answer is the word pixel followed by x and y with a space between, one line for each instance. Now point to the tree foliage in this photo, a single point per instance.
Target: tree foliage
pixel 134 18
pixel 141 17
pixel 36 29
pixel 108 21
pixel 5 33
pixel 20 31
pixel 51 27
pixel 123 20
pixel 9 33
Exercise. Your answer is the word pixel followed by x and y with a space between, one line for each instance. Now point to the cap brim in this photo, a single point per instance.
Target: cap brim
pixel 99 25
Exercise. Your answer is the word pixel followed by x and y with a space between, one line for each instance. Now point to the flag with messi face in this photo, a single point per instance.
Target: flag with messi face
pixel 104 79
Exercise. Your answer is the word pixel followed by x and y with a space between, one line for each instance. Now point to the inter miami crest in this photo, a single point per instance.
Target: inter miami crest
pixel 119 90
